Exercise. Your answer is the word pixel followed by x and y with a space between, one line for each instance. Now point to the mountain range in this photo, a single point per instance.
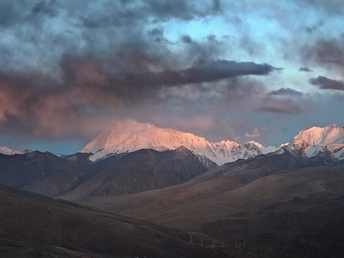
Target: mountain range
pixel 228 191
pixel 129 135
pixel 134 157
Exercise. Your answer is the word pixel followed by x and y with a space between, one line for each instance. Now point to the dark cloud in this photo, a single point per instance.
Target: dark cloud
pixel 325 83
pixel 102 29
pixel 134 84
pixel 186 39
pixel 325 51
pixel 180 9
pixel 283 106
pixel 65 64
pixel 222 69
pixel 42 106
pixel 158 32
pixel 314 27
pixel 331 7
pixel 217 6
pixel 212 38
pixel 126 13
pixel 286 92
pixel 46 7
pixel 305 69
pixel 204 72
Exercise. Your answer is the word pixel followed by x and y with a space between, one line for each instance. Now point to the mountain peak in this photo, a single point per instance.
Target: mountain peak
pixel 315 140
pixel 129 135
pixel 321 135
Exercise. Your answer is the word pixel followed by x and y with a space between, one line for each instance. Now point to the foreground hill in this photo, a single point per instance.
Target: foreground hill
pixel 311 226
pixel 214 198
pixel 224 191
pixel 37 226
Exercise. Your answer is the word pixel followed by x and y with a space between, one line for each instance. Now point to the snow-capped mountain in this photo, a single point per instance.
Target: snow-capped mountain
pixel 129 136
pixel 7 151
pixel 317 140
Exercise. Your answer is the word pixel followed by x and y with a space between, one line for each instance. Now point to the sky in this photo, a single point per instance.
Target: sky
pixel 244 70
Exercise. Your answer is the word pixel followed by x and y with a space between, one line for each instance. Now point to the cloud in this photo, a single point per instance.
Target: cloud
pixel 65 64
pixel 285 92
pixel 314 27
pixel 203 123
pixel 305 69
pixel 325 83
pixel 325 51
pixel 204 72
pixel 91 89
pixel 210 71
pixel 331 7
pixel 186 39
pixel 253 135
pixel 69 68
pixel 279 106
pixel 101 30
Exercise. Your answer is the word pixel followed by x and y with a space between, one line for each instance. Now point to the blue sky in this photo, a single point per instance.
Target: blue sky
pixel 236 70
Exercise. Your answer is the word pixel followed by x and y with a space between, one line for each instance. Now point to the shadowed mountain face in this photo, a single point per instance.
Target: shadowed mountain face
pixel 32 225
pixel 63 181
pixel 47 174
pixel 76 177
pixel 141 171
pixel 44 170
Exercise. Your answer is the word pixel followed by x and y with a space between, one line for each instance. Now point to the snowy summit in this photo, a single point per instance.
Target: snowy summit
pixel 129 135
pixel 318 140
pixel 7 151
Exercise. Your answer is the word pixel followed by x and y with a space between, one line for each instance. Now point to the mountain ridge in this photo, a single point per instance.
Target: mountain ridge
pixel 8 151
pixel 129 135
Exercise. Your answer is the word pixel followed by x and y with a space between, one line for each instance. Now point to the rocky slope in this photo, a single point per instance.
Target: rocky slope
pixel 20 170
